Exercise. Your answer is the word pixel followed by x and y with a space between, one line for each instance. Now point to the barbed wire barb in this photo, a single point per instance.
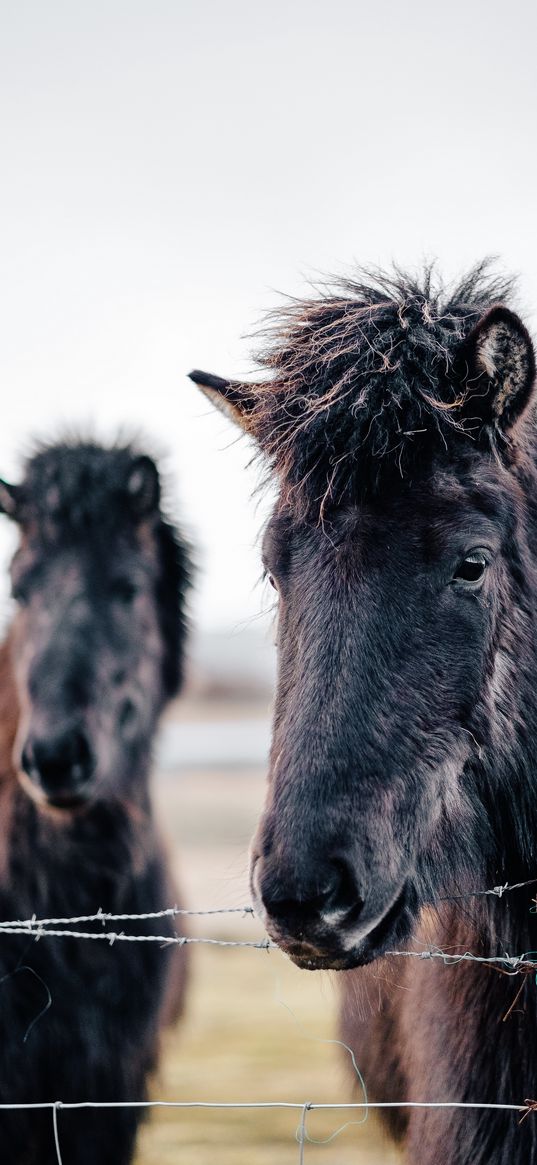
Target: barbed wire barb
pixel 495 891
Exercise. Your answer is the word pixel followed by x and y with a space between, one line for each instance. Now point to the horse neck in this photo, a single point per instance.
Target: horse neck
pixel 508 785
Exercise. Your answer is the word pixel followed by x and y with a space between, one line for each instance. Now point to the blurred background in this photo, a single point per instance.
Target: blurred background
pixel 169 168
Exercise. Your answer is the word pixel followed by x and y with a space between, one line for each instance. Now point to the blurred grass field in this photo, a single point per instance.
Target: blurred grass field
pixel 239 1041
pixel 254 1025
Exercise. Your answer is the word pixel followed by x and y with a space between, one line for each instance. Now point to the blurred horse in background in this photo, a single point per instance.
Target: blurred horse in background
pixel 398 418
pixel 92 655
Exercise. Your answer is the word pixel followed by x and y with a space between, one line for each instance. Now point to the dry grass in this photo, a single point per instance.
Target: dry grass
pixel 238 1040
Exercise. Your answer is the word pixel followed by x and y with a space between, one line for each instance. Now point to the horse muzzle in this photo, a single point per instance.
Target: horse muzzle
pixel 58 770
pixel 333 928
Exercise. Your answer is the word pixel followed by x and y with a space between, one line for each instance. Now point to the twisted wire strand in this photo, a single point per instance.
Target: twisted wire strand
pixel 513 963
pixel 38 931
pixel 50 928
pixel 496 891
pixel 101 916
pixel 245 911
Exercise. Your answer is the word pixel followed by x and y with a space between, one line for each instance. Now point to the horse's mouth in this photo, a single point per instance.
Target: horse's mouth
pixel 67 801
pixel 340 951
pixel 62 800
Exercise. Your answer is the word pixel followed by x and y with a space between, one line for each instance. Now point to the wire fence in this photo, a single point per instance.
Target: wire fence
pixel 520 963
pixel 302 1137
pixel 43 928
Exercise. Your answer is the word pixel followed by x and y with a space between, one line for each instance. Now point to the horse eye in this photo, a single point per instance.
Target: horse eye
pixel 272 581
pixel 123 590
pixel 472 569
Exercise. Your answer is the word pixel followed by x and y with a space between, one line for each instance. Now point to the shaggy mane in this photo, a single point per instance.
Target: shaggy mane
pixel 366 381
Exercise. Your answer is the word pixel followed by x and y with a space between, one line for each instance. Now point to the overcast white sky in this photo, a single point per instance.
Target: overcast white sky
pixel 168 166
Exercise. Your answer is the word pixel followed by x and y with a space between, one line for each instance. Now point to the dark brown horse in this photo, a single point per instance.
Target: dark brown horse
pixel 400 423
pixel 92 655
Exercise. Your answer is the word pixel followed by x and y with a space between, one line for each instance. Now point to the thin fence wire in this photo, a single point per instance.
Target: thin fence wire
pixel 301 1133
pixel 57 1104
pixel 328 1106
pixel 305 1107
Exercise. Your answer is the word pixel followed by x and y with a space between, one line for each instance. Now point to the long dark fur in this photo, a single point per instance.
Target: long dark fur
pixel 80 1020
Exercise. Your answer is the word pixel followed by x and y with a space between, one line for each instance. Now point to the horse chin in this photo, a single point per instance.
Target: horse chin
pixel 319 962
pixel 61 804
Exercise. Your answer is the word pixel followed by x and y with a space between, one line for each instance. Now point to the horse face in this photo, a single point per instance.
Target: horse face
pixel 87 660
pixel 87 645
pixel 391 423
pixel 390 670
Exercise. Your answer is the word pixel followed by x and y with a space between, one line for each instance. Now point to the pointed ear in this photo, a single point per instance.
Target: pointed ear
pixel 10 499
pixel 501 367
pixel 143 486
pixel 234 399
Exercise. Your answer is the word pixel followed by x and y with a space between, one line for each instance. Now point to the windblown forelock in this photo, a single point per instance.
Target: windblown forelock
pixel 75 486
pixel 75 492
pixel 365 382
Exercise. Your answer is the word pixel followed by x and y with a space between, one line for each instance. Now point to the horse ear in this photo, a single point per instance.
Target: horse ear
pixel 10 496
pixel 234 399
pixel 143 485
pixel 501 367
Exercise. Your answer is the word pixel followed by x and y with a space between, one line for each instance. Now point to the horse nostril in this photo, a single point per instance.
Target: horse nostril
pixel 27 761
pixel 345 894
pixel 295 905
pixel 60 764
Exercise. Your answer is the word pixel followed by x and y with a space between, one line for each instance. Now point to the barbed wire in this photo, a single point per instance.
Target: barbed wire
pixel 38 931
pixel 496 891
pixel 40 928
pixel 62 927
pixel 47 928
pixel 101 916
pixel 512 963
pixel 247 911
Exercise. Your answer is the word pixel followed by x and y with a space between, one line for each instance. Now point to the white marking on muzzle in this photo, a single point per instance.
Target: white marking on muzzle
pixel 348 940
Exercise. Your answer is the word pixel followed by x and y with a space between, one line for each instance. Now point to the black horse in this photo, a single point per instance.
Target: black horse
pixel 399 420
pixel 92 655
